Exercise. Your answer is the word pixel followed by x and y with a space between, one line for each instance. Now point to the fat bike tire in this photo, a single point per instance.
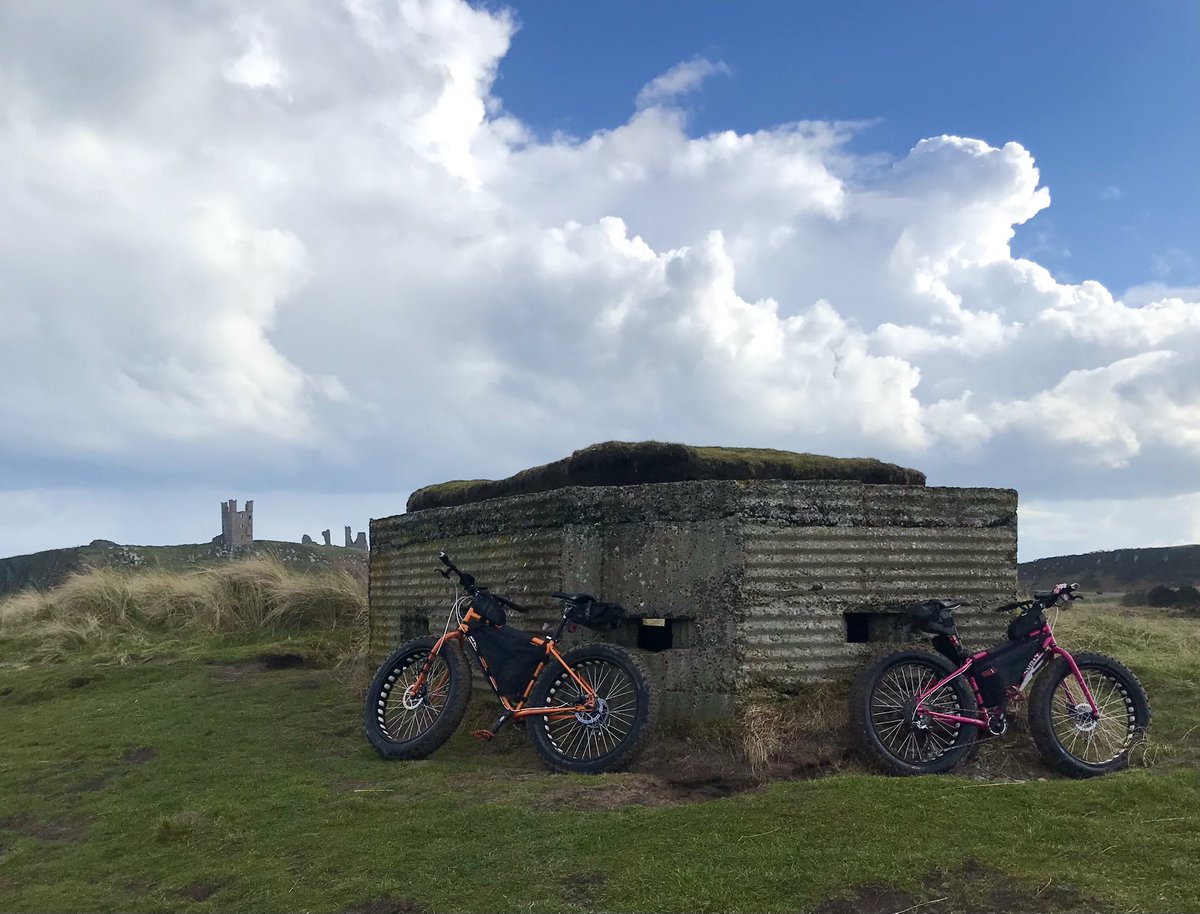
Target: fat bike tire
pixel 1060 720
pixel 609 739
pixel 401 724
pixel 882 724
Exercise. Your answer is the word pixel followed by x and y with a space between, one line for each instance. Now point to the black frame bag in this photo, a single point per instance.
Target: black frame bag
pixel 508 656
pixel 1004 666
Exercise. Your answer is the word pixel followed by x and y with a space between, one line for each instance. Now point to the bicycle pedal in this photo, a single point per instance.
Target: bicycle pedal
pixel 484 735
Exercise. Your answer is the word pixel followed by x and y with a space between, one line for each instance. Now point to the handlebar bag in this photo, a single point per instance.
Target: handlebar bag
pixel 601 617
pixel 1026 624
pixel 1004 666
pixel 488 607
pixel 508 657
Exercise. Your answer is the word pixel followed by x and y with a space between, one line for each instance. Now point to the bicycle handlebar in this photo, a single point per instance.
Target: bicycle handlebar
pixel 1046 598
pixel 467 581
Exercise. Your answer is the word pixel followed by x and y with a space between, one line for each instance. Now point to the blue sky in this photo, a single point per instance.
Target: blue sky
pixel 1104 94
pixel 320 254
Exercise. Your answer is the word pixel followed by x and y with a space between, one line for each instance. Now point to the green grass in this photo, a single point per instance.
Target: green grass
pixel 144 786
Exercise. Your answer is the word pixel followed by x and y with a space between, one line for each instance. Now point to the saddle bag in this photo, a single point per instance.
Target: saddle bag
pixel 601 617
pixel 508 656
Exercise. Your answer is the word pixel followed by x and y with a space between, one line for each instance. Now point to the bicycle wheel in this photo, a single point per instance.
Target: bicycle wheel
pixel 606 739
pixel 884 722
pixel 1061 721
pixel 403 723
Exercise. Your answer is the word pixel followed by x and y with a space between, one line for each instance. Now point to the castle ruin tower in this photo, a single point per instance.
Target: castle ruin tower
pixel 237 527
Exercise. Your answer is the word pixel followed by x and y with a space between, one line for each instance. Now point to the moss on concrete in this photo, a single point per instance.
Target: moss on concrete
pixel 618 463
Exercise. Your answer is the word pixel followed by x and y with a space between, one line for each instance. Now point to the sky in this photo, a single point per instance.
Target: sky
pixel 320 254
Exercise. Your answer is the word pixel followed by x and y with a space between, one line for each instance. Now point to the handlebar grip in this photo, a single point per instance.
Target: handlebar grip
pixel 445 560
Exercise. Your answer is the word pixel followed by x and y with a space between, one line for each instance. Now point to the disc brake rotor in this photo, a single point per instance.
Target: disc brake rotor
pixel 412 699
pixel 1081 716
pixel 594 717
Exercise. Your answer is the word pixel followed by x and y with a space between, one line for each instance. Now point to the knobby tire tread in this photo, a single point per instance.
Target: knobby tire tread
pixel 447 722
pixel 862 731
pixel 633 744
pixel 1042 728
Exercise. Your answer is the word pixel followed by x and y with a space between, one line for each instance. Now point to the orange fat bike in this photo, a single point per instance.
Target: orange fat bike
pixel 586 711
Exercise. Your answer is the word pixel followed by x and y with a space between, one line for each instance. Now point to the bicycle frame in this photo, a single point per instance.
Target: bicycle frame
pixel 518 710
pixel 1049 648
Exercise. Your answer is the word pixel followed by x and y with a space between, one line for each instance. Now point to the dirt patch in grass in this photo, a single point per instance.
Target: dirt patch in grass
pixel 139 755
pixel 386 906
pixel 78 682
pixel 697 768
pixel 971 888
pixel 62 828
pixel 240 671
pixel 288 661
pixel 583 889
pixel 204 889
pixel 91 785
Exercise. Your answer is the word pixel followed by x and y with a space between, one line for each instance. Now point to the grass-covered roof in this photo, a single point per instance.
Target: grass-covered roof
pixel 621 463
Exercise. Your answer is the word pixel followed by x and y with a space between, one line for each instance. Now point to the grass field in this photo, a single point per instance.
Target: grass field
pixel 209 770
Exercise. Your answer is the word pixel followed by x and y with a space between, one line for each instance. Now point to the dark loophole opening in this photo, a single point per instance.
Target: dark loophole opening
pixel 866 627
pixel 664 634
pixel 858 628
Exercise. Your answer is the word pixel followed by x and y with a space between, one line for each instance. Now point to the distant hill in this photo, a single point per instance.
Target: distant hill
pixel 44 570
pixel 1119 571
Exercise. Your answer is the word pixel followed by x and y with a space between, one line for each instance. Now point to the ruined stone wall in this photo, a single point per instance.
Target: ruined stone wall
pixel 753 578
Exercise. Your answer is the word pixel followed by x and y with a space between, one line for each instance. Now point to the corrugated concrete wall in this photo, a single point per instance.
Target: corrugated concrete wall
pixel 841 554
pixel 763 570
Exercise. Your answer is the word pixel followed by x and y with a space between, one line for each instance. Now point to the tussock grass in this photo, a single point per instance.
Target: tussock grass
pixel 110 608
pixel 804 731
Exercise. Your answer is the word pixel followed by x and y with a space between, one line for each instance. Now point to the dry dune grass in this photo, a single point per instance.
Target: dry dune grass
pixel 807 730
pixel 254 594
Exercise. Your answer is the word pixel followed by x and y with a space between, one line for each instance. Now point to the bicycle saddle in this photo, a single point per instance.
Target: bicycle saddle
pixel 574 597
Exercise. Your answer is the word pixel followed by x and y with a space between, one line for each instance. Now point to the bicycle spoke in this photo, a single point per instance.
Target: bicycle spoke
pixel 575 738
pixel 402 723
pixel 1093 741
pixel 892 704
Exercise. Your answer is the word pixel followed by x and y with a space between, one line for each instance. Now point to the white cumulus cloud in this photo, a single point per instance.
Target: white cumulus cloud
pixel 681 79
pixel 304 247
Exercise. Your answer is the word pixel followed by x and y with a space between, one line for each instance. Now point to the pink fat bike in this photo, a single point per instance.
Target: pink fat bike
pixel 915 712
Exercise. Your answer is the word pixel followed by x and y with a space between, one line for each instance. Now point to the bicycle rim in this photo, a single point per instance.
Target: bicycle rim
pixel 583 736
pixel 913 739
pixel 405 714
pixel 1093 742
